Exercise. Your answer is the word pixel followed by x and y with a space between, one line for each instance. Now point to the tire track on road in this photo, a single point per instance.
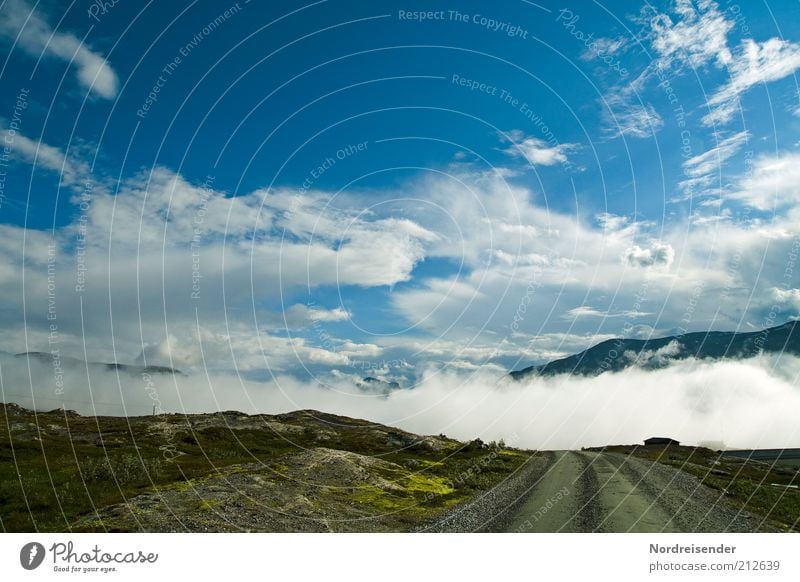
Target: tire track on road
pixel 604 492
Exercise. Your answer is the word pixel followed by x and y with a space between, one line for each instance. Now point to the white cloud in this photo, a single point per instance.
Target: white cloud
pixel 555 262
pixel 688 36
pixel 238 347
pixel 755 63
pixel 659 358
pixel 300 315
pixel 537 151
pixel 358 351
pixel 587 311
pixel 701 169
pixel 790 296
pixel 162 213
pixel 514 351
pixel 773 182
pixel 72 171
pixel 514 266
pixel 627 116
pixel 604 47
pixel 694 36
pixel 160 236
pixel 22 24
pixel 705 177
pixel 657 254
pixel 338 314
pixel 618 227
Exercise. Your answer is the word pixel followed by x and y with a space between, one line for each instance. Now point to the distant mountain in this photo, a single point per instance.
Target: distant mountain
pixel 377 385
pixel 371 380
pixel 617 354
pixel 127 368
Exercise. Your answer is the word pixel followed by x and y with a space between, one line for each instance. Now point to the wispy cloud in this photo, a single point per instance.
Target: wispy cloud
pixel 587 311
pixel 72 171
pixel 696 35
pixel 755 63
pixel 691 36
pixel 687 36
pixel 29 29
pixel 701 169
pixel 604 47
pixel 300 315
pixel 627 115
pixel 537 151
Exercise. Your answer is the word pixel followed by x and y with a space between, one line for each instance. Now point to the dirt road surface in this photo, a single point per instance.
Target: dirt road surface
pixel 582 491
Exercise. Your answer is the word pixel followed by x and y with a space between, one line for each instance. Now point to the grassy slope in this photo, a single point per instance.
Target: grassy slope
pixel 57 468
pixel 748 484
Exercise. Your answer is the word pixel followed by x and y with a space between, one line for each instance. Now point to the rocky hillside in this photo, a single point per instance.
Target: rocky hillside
pixel 228 471
pixel 616 354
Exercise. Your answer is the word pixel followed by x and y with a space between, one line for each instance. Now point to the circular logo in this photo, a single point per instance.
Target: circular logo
pixel 31 555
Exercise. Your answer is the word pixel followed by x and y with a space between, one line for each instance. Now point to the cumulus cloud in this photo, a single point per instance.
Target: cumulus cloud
pixel 650 359
pixel 657 254
pixel 515 278
pixel 537 151
pixel 29 29
pixel 301 314
pixel 195 263
pixel 773 182
pixel 790 296
pixel 511 267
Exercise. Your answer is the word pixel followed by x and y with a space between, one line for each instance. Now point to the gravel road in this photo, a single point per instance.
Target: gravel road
pixel 571 491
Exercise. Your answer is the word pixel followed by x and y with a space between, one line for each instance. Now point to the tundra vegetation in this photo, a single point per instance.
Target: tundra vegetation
pixel 227 471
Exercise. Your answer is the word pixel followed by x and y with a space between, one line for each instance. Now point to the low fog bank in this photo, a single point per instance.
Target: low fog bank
pixel 744 404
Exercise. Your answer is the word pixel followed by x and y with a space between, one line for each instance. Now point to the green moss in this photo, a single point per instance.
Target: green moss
pixel 380 499
pixel 427 463
pixel 428 484
pixel 207 504
pixel 187 485
pixel 452 500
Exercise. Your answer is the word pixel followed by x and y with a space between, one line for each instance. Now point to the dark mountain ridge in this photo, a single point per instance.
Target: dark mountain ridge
pixel 617 354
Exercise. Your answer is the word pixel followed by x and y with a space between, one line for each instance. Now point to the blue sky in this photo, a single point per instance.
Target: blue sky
pixel 327 188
